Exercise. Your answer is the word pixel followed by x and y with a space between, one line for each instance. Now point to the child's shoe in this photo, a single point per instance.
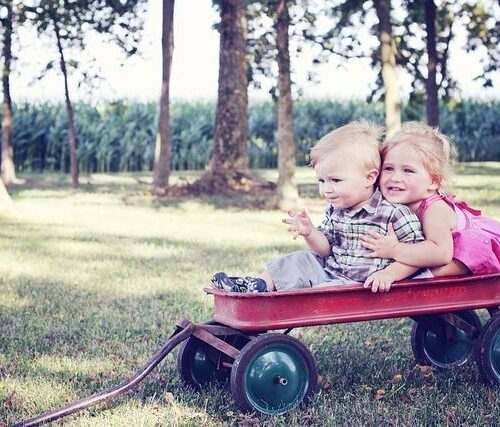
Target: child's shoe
pixel 222 281
pixel 255 284
pixel 238 284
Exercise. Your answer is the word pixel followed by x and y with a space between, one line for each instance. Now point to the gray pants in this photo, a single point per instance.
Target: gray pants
pixel 301 270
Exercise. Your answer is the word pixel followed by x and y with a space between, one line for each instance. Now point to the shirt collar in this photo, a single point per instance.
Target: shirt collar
pixel 370 206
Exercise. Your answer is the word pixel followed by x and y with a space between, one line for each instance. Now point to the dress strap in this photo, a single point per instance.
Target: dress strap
pixel 426 203
pixel 448 198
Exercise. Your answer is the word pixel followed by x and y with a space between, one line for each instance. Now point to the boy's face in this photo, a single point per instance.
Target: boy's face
pixel 343 182
pixel 404 178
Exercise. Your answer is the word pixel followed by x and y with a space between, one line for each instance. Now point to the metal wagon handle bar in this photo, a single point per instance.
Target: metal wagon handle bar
pixel 177 337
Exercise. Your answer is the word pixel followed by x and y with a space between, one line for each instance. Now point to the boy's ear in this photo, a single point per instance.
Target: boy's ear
pixel 372 176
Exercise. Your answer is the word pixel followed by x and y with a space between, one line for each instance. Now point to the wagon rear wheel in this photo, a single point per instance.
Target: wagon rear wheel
pixel 273 374
pixel 444 346
pixel 488 356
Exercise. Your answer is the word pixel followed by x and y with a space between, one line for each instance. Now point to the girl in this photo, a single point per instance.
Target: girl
pixel 458 239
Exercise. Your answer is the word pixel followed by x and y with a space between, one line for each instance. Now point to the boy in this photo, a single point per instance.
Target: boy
pixel 347 163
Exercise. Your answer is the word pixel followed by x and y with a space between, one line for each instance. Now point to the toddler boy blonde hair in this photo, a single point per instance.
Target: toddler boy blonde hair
pixel 358 140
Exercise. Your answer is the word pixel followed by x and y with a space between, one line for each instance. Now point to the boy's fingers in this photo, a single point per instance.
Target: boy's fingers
pixel 375 286
pixel 372 233
pixel 371 255
pixel 287 220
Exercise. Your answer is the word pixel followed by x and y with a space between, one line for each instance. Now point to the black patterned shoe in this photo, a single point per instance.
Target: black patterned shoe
pixel 255 284
pixel 238 284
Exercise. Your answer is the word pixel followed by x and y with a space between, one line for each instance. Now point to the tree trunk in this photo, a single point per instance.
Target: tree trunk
pixel 69 110
pixel 230 152
pixel 7 166
pixel 163 149
pixel 287 188
pixel 388 63
pixel 431 83
pixel 5 199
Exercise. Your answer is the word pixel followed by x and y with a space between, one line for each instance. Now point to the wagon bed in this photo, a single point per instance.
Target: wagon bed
pixel 353 303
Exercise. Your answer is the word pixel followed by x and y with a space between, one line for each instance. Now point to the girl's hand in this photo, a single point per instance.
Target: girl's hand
pixel 379 281
pixel 299 222
pixel 381 246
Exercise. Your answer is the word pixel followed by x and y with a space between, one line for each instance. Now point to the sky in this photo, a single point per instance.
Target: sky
pixel 195 65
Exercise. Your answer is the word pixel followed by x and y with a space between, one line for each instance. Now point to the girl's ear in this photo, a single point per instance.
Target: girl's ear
pixel 372 176
pixel 436 183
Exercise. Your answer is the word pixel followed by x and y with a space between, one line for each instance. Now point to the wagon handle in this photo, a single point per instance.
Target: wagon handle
pixel 179 335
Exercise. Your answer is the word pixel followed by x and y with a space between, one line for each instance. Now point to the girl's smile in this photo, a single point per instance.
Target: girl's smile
pixel 404 178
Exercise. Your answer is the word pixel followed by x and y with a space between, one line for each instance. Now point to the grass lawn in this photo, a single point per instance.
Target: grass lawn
pixel 93 281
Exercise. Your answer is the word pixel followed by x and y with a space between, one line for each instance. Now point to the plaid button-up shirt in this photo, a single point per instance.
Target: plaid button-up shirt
pixel 344 227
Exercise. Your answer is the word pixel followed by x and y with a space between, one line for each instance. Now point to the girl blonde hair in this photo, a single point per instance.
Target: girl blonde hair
pixel 436 149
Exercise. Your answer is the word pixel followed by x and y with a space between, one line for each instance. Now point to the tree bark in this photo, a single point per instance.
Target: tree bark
pixel 431 82
pixel 388 63
pixel 287 188
pixel 4 196
pixel 230 151
pixel 7 166
pixel 69 110
pixel 163 149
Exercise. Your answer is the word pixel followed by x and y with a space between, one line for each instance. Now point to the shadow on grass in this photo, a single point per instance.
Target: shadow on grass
pixel 82 327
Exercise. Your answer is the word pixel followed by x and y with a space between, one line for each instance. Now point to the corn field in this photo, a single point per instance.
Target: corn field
pixel 120 136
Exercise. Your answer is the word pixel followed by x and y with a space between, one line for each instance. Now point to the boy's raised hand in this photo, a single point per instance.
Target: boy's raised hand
pixel 381 246
pixel 299 222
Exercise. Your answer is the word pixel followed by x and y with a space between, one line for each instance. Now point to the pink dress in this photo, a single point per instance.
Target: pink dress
pixel 476 239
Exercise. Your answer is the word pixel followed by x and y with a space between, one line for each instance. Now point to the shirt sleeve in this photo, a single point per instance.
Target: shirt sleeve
pixel 326 227
pixel 406 225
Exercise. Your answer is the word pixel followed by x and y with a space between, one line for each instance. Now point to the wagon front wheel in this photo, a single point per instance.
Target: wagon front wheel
pixel 488 357
pixel 444 346
pixel 197 364
pixel 273 374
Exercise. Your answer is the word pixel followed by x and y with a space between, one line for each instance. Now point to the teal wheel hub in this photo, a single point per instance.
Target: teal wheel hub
pixel 495 354
pixel 444 351
pixel 273 374
pixel 276 380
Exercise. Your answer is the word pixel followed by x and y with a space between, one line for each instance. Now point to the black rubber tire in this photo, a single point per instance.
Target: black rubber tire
pixel 195 367
pixel 192 351
pixel 488 355
pixel 423 356
pixel 285 368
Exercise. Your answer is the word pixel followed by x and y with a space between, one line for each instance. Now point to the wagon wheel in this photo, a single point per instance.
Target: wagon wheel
pixel 198 363
pixel 273 374
pixel 444 349
pixel 488 356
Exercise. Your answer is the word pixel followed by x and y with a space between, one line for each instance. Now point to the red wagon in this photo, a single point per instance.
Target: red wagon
pixel 272 373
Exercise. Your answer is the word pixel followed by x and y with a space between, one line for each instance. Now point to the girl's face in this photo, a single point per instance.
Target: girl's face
pixel 404 178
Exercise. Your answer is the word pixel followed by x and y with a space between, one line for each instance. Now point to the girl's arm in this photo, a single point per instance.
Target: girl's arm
pixel 435 251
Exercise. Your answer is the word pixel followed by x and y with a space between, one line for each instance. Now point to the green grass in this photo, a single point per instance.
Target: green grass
pixel 93 281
